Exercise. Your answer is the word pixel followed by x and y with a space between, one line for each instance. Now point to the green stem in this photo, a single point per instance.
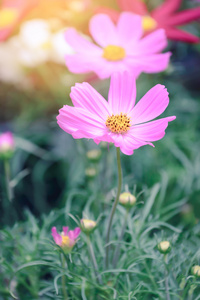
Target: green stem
pixel 7 177
pixel 114 205
pixel 166 278
pixel 64 279
pixel 117 250
pixel 93 259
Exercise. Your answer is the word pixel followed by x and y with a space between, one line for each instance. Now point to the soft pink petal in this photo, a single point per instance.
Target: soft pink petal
pixel 152 43
pixel 85 96
pixel 152 104
pixel 184 17
pixel 57 237
pixel 80 123
pixel 80 44
pixel 65 229
pixel 167 8
pixel 151 63
pixel 129 27
pixel 180 35
pixel 152 131
pixel 122 92
pixel 82 63
pixel 135 6
pixel 73 234
pixel 103 30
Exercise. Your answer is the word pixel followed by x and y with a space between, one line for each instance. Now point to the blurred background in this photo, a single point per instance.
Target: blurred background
pixel 48 165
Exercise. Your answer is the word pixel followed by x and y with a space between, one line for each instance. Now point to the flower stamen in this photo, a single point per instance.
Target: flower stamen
pixel 148 23
pixel 118 123
pixel 113 53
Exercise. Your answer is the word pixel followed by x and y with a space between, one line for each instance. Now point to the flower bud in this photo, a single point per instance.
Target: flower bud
pixel 164 247
pixel 196 270
pixel 88 226
pixel 90 173
pixel 94 155
pixel 127 199
pixel 6 145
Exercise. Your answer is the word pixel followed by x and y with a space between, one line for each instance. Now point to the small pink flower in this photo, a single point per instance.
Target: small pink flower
pixel 11 13
pixel 119 120
pixel 6 145
pixel 121 47
pixel 67 239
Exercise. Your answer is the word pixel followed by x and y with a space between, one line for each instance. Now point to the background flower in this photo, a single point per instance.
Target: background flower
pixel 164 16
pixel 120 47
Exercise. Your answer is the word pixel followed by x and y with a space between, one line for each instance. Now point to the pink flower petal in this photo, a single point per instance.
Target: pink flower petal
pixel 180 35
pixel 135 6
pixel 152 43
pixel 65 229
pixel 57 237
pixel 80 123
pixel 152 131
pixel 152 104
pixel 103 30
pixel 167 8
pixel 129 27
pixel 80 44
pixel 184 17
pixel 122 93
pixel 151 63
pixel 83 95
pixel 73 234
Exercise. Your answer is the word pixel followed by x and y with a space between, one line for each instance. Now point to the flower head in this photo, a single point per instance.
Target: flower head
pixel 164 247
pixel 127 200
pixel 164 16
pixel 119 47
pixel 196 270
pixel 119 120
pixel 6 145
pixel 88 226
pixel 67 239
pixel 11 13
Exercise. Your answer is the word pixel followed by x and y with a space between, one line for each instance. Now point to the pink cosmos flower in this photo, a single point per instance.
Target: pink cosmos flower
pixel 119 120
pixel 119 47
pixel 163 16
pixel 11 12
pixel 67 239
pixel 6 145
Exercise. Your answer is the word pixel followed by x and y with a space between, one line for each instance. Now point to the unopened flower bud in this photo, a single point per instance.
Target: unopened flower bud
pixel 88 226
pixel 164 247
pixel 94 155
pixel 6 145
pixel 196 270
pixel 127 199
pixel 90 173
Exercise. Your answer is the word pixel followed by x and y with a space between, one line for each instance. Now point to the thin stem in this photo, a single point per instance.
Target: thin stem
pixel 114 205
pixel 166 279
pixel 117 250
pixel 64 279
pixel 93 258
pixel 7 177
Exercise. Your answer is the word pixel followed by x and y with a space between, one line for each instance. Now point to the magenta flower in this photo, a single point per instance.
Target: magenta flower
pixel 119 120
pixel 120 47
pixel 163 16
pixel 6 145
pixel 67 239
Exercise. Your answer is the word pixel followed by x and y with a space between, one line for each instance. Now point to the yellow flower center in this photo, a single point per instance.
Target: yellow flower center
pixel 148 23
pixel 113 53
pixel 7 17
pixel 65 241
pixel 118 123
